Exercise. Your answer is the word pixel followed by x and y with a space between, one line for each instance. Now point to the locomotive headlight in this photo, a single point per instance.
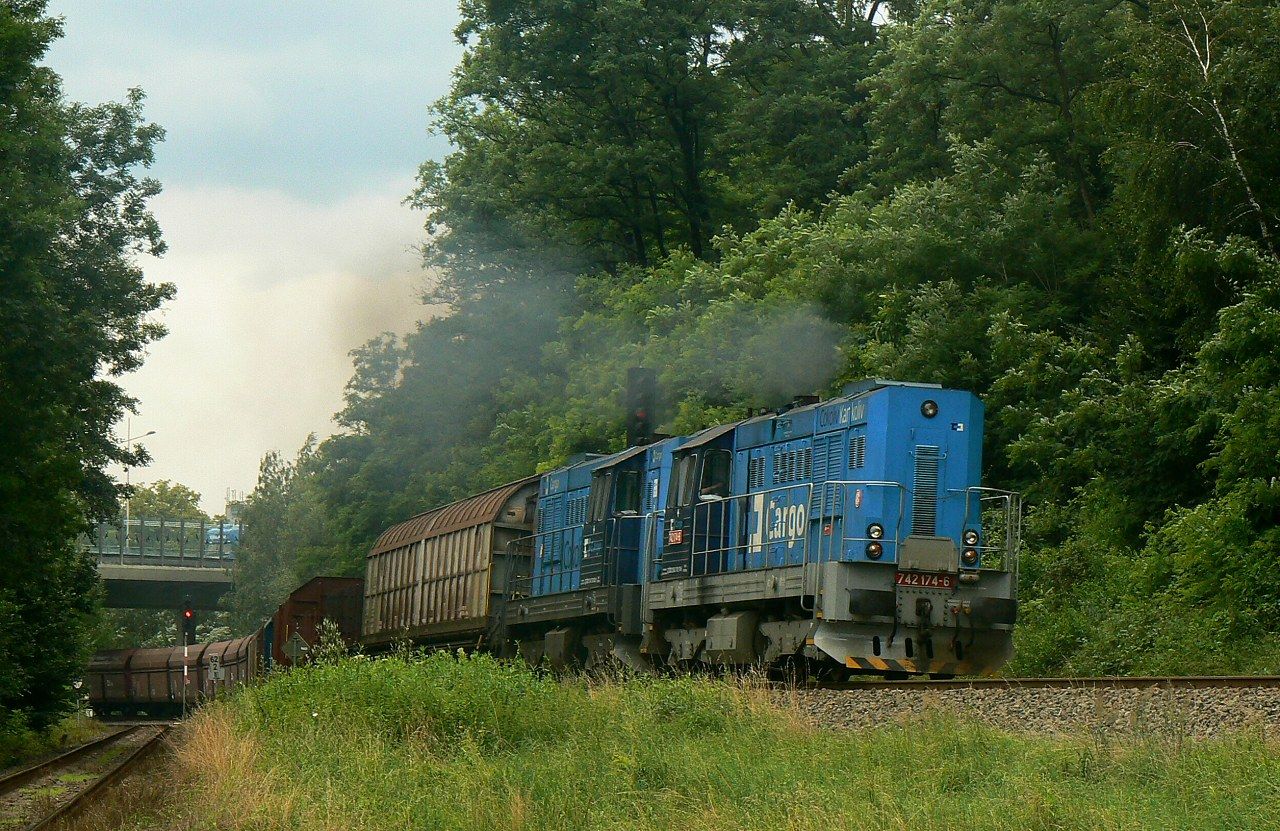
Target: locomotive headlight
pixel 875 530
pixel 874 550
pixel 970 537
pixel 929 409
pixel 969 556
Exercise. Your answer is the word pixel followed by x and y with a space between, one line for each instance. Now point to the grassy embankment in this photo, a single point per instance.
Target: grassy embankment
pixel 20 745
pixel 470 744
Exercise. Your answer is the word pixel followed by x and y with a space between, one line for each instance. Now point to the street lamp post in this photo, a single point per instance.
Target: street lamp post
pixel 129 441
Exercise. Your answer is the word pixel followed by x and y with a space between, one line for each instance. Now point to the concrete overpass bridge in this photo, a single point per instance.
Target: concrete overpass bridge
pixel 153 563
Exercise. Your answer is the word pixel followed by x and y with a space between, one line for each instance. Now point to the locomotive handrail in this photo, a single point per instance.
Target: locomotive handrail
pixel 1012 501
pixel 727 504
pixel 842 486
pixel 533 540
pixel 570 564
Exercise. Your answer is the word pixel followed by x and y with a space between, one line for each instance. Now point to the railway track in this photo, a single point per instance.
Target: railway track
pixel 1197 706
pixel 38 797
pixel 1117 682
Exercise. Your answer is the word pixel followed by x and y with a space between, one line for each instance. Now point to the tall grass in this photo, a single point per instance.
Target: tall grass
pixel 19 745
pixel 468 743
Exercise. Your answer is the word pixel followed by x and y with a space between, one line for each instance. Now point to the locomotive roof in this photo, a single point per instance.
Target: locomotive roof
pixel 465 513
pixel 708 435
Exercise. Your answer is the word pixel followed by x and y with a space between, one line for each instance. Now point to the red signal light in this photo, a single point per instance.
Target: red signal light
pixel 188 614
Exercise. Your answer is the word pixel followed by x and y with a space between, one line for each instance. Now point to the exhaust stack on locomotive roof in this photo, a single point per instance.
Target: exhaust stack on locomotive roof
pixel 642 405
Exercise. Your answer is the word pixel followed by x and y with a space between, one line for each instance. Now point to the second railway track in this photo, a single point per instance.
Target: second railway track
pixel 42 795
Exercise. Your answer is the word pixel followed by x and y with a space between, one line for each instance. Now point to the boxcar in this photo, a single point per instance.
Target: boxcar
pixel 337 599
pixel 437 578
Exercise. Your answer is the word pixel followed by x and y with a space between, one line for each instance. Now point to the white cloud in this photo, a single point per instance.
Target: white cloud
pixel 273 292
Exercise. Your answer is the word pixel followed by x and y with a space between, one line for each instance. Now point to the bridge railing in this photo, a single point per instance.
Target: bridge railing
pixel 161 541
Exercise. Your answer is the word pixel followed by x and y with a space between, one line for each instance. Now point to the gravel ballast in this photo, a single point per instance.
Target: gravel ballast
pixel 1153 711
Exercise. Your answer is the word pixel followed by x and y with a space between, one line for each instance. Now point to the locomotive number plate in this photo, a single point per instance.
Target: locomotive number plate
pixel 925 580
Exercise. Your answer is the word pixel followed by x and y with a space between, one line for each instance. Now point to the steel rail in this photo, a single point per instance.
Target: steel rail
pixel 115 773
pixel 22 777
pixel 1099 682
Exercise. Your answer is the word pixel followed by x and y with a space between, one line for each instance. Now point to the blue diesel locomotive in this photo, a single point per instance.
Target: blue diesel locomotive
pixel 845 536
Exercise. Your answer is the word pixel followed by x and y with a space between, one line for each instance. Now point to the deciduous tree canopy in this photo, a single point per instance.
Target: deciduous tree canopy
pixel 1068 207
pixel 73 310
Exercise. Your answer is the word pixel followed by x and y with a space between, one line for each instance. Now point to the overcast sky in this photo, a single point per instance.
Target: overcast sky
pixel 293 132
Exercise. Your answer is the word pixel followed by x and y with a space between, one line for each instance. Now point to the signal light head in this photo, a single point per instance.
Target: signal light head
pixel 929 409
pixel 969 556
pixel 970 537
pixel 875 530
pixel 874 550
pixel 188 614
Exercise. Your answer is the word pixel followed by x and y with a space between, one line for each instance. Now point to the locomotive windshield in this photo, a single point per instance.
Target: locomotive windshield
pixel 626 499
pixel 682 479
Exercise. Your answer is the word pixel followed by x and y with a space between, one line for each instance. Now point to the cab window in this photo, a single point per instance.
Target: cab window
pixel 627 499
pixel 682 479
pixel 601 484
pixel 715 474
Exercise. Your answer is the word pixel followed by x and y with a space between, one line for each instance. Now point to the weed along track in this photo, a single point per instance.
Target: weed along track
pixel 40 796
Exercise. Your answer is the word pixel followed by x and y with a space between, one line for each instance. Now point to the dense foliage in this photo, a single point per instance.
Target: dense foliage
pixel 74 314
pixel 1068 207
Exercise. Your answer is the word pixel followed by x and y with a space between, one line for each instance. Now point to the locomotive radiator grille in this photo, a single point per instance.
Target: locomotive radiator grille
pixel 857 452
pixel 924 513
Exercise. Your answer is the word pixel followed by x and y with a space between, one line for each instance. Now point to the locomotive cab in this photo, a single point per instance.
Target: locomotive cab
pixel 696 517
pixel 615 525
pixel 584 599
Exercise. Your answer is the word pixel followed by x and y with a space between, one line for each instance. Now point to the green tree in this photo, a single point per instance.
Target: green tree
pixel 286 539
pixel 74 308
pixel 167 500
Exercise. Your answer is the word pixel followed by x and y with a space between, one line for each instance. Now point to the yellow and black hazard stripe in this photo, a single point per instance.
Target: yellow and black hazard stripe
pixel 872 664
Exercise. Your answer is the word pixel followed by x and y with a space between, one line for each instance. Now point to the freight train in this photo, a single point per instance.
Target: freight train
pixel 848 536
pixel 160 682
pixel 826 539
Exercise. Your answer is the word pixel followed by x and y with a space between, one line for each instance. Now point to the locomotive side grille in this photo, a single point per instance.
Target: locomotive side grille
pixel 755 473
pixel 651 496
pixel 792 465
pixel 577 511
pixel 826 466
pixel 857 452
pixel 547 511
pixel 924 512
